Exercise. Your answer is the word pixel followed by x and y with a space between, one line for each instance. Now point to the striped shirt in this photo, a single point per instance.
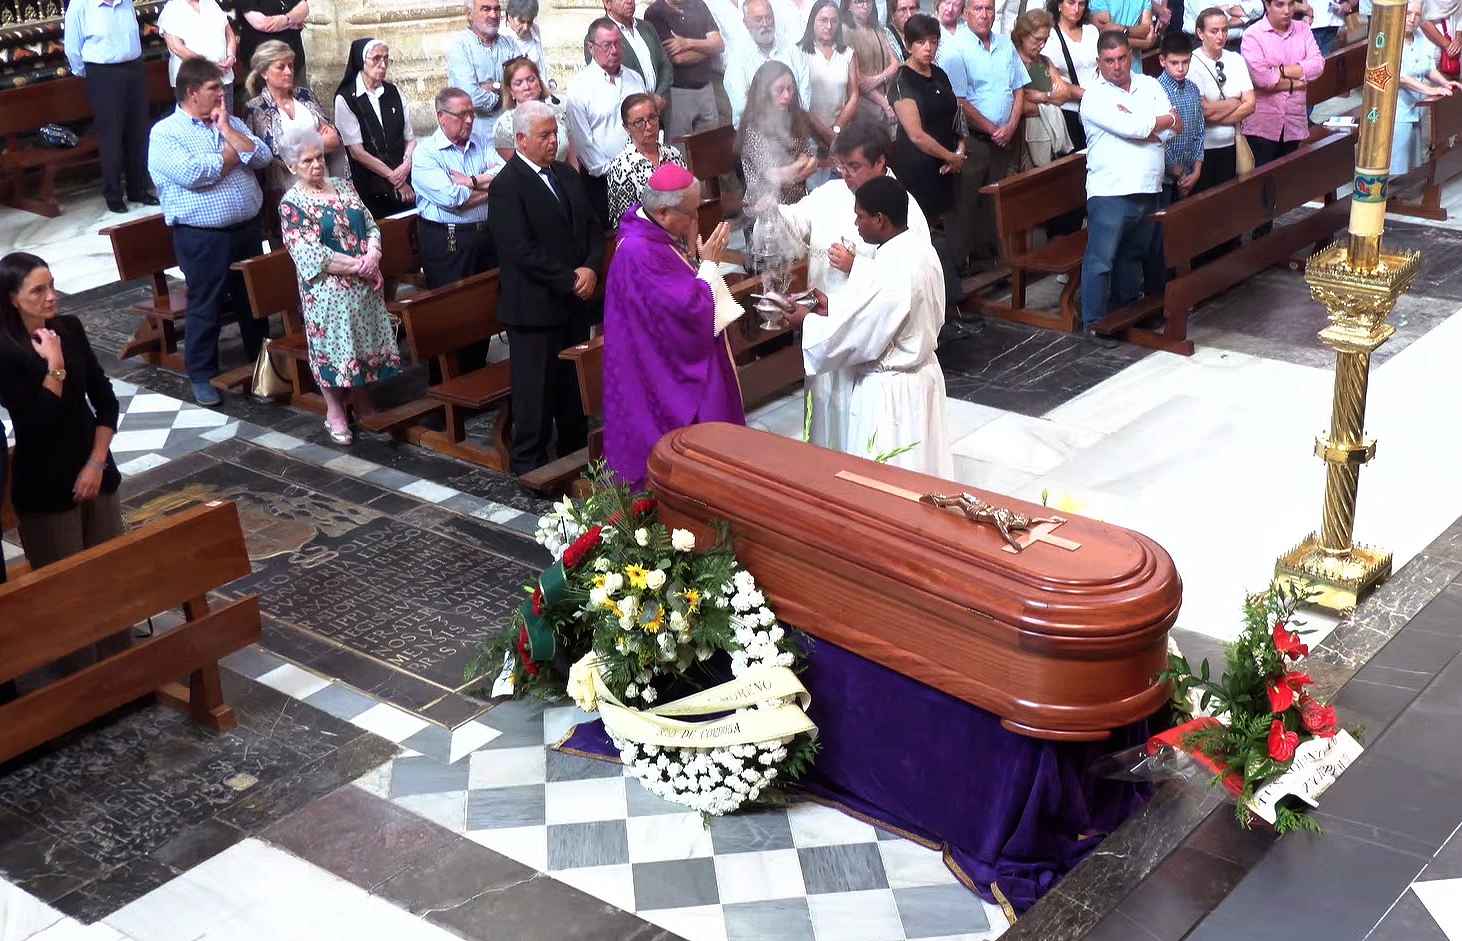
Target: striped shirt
pixel 185 159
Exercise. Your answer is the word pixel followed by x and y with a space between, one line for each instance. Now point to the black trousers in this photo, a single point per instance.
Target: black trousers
pixel 215 290
pixel 451 253
pixel 598 189
pixel 545 394
pixel 118 97
pixel 1070 222
pixel 1266 150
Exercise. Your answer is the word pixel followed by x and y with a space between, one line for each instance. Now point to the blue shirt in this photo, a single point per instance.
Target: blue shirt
pixel 1185 149
pixel 1122 12
pixel 470 62
pixel 438 199
pixel 987 78
pixel 101 32
pixel 185 159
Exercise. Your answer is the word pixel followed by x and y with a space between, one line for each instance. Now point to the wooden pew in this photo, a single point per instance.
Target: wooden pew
pixel 1443 162
pixel 442 322
pixel 27 172
pixel 1023 202
pixel 711 155
pixel 143 248
pixel 1345 69
pixel 588 360
pixel 274 289
pixel 1212 218
pixel 768 362
pixel 400 252
pixel 105 590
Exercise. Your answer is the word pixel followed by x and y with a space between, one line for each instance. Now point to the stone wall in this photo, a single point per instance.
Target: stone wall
pixel 419 32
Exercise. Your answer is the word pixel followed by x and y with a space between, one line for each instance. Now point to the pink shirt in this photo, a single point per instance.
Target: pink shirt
pixel 1279 114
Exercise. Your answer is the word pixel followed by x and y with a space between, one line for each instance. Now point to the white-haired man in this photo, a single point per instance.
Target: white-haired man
pixel 743 59
pixel 475 59
pixel 550 248
pixel 667 363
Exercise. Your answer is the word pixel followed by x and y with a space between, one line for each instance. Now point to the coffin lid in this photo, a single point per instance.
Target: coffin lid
pixel 1118 583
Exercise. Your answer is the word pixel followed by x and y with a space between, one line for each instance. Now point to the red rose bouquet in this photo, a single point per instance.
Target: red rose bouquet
pixel 1262 708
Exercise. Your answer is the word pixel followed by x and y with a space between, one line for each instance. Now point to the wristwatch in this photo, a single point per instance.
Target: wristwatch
pixel 58 374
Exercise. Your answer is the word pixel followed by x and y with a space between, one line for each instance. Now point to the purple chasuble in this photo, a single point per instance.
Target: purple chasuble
pixel 663 368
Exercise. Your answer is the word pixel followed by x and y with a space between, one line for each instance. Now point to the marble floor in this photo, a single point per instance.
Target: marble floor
pixel 1210 455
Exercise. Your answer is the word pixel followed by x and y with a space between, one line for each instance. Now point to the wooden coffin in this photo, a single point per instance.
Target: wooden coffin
pixel 1061 644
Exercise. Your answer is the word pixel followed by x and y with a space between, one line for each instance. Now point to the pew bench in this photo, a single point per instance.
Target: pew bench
pixel 1023 202
pixel 1230 211
pixel 711 155
pixel 104 590
pixel 143 248
pixel 1443 162
pixel 28 169
pixel 440 323
pixel 400 252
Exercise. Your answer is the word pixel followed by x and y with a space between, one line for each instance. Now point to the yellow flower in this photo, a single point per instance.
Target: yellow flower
pixel 599 580
pixel 692 599
pixel 653 625
pixel 636 575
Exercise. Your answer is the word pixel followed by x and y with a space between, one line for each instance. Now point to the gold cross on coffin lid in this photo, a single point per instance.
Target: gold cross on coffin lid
pixel 1039 530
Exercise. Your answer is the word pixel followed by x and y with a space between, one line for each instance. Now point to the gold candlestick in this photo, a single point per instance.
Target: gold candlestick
pixel 1358 282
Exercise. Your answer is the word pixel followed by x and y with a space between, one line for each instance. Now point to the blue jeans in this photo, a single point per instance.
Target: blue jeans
pixel 1325 36
pixel 214 288
pixel 1121 240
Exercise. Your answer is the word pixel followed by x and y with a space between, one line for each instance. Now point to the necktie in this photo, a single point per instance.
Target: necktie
pixel 548 178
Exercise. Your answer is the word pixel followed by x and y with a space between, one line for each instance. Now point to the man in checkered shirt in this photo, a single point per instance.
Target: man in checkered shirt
pixel 1183 154
pixel 202 161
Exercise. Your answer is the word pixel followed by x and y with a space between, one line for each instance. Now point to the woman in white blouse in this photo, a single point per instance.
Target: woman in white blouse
pixel 199 29
pixel 1072 50
pixel 833 70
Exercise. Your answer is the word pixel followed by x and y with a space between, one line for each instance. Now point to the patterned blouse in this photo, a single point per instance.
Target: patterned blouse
pixel 627 176
pixel 269 122
pixel 761 153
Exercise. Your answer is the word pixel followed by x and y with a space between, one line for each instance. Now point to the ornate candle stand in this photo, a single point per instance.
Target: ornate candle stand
pixel 1358 282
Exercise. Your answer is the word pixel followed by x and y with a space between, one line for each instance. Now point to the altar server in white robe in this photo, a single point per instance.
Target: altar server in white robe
pixel 823 221
pixel 882 325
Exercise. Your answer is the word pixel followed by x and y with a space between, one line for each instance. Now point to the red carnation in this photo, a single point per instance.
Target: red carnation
pixel 538 602
pixel 1318 719
pixel 581 547
pixel 525 657
pixel 1281 697
pixel 1288 643
pixel 642 506
pixel 1281 743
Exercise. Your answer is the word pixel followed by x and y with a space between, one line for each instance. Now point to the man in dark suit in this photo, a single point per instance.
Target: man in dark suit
pixel 550 246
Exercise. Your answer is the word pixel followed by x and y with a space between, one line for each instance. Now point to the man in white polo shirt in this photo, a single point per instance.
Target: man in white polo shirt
pixel 1127 117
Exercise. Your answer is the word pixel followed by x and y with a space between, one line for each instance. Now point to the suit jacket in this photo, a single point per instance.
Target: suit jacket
pixel 540 240
pixel 664 68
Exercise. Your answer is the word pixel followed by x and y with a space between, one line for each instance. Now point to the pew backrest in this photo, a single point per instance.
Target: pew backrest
pixel 273 287
pixel 100 591
pixel 447 319
pixel 1035 196
pixel 588 360
pixel 1345 68
pixel 142 248
pixel 711 153
pixel 400 248
pixel 1213 217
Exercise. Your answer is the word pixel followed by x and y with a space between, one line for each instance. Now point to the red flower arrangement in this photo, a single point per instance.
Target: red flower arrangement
pixel 1249 723
pixel 574 555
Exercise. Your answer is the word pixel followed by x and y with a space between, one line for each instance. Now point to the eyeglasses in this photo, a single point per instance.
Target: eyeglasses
pixel 606 45
pixel 379 59
pixel 459 115
pixel 641 123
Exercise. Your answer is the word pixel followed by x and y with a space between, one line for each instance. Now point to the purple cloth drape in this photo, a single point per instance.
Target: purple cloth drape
pixel 1009 810
pixel 663 367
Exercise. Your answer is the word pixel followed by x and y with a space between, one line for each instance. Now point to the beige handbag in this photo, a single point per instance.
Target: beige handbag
pixel 1243 154
pixel 268 383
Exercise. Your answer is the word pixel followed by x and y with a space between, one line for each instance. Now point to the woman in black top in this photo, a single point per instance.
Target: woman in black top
pixel 928 150
pixel 262 20
pixel 64 412
pixel 380 142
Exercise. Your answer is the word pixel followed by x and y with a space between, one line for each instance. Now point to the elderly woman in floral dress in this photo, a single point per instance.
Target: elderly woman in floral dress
pixel 336 247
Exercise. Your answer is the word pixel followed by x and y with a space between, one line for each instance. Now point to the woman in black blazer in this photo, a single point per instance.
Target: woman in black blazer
pixel 65 414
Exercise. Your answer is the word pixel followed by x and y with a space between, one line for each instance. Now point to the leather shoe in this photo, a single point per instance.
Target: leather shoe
pixel 116 205
pixel 146 199
pixel 204 394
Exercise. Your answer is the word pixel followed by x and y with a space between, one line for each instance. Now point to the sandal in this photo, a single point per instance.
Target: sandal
pixel 339 436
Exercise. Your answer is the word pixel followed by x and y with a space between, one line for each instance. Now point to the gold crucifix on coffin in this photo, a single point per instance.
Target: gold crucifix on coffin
pixel 1018 530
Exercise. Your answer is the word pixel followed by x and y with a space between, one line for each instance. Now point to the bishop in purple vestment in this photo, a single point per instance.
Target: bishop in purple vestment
pixel 666 360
